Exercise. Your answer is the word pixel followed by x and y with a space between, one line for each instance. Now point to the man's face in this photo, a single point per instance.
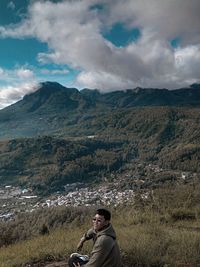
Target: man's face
pixel 99 222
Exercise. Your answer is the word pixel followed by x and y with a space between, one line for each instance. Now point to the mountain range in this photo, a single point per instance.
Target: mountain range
pixel 60 135
pixel 55 109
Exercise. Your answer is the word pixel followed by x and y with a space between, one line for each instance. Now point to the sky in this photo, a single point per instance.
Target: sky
pixel 98 44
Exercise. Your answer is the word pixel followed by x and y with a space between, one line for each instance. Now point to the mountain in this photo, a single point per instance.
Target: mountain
pixel 41 112
pixel 55 109
pixel 60 135
pixel 50 97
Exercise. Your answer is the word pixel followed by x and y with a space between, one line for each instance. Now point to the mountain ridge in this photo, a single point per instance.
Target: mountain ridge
pixel 55 109
pixel 171 97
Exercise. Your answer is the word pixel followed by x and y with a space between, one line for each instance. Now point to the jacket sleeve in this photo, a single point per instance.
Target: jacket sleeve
pixel 89 234
pixel 100 251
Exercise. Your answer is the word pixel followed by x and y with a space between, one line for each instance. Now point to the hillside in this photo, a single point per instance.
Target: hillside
pixel 55 109
pixel 46 164
pixel 58 135
pixel 167 137
pixel 164 230
pixel 146 141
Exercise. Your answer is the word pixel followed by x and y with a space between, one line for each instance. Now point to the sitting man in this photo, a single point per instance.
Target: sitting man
pixel 105 252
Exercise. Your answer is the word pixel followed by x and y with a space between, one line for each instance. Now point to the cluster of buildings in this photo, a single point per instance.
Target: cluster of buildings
pixel 15 200
pixel 86 197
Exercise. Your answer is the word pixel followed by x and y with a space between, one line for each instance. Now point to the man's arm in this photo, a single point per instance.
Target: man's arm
pixel 80 244
pixel 87 236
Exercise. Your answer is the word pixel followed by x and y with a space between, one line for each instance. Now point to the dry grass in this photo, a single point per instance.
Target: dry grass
pixel 57 245
pixel 143 240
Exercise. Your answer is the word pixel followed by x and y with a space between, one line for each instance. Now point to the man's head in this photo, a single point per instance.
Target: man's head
pixel 101 219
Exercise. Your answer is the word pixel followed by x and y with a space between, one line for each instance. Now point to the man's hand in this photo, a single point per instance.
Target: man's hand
pixel 77 265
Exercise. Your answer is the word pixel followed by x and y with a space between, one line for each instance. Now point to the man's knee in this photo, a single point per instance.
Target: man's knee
pixel 77 258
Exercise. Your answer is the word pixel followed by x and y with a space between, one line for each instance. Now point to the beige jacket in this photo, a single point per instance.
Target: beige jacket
pixel 105 252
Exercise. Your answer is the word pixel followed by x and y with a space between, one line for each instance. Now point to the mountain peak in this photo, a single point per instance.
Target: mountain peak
pixel 54 87
pixel 51 96
pixel 48 83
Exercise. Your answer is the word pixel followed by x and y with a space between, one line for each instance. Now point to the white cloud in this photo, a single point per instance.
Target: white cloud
pixel 14 84
pixel 188 61
pixel 12 94
pixel 24 73
pixel 73 33
pixel 109 82
pixel 1 72
pixel 17 74
pixel 168 18
pixel 54 72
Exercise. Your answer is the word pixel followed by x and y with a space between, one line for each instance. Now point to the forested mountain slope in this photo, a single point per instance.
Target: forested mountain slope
pixel 55 109
pixel 56 135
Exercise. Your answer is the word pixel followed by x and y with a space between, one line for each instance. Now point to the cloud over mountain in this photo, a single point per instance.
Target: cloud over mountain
pixel 75 34
pixel 11 94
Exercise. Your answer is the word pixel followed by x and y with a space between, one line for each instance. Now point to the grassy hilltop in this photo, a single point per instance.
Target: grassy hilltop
pixel 161 232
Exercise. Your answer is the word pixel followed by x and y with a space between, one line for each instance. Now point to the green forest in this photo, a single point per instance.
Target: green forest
pixel 166 137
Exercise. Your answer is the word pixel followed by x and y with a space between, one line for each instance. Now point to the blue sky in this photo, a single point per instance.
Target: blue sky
pixel 109 45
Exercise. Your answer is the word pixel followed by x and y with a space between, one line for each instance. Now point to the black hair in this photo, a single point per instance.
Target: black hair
pixel 105 213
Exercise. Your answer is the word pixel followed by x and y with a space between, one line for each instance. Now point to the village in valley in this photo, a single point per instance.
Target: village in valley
pixel 15 200
pixel 122 189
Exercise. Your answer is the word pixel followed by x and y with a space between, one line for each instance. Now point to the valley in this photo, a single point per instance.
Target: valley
pixel 64 152
pixel 117 189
